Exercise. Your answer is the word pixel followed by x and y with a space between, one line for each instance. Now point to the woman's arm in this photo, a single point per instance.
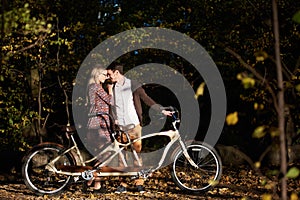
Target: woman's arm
pixel 106 97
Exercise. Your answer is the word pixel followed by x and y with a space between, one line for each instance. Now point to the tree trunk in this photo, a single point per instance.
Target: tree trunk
pixel 280 98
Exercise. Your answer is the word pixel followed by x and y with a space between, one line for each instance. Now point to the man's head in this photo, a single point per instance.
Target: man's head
pixel 115 72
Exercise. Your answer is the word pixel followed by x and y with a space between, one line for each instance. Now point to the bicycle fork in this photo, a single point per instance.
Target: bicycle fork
pixel 186 154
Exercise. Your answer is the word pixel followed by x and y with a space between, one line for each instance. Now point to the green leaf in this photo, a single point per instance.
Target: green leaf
pixel 274 132
pixel 248 82
pixel 296 17
pixel 261 56
pixel 293 172
pixel 11 121
pixel 259 132
pixel 298 87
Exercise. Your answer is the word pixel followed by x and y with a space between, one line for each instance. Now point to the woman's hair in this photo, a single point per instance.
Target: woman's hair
pixel 98 69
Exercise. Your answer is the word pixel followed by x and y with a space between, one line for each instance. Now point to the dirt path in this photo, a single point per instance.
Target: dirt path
pixel 234 184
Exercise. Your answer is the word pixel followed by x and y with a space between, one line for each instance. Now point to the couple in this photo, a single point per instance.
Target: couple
pixel 124 97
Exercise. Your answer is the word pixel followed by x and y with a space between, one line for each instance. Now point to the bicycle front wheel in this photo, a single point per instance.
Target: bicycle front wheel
pixel 198 179
pixel 38 177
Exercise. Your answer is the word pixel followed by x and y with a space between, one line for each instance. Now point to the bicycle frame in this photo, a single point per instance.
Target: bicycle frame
pixel 116 148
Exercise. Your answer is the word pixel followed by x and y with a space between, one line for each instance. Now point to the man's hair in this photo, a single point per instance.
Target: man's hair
pixel 114 67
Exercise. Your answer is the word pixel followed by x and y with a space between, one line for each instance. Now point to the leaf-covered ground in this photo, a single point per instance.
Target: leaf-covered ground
pixel 236 183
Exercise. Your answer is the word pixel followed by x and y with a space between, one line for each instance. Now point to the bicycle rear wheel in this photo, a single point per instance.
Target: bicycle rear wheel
pixel 192 179
pixel 38 178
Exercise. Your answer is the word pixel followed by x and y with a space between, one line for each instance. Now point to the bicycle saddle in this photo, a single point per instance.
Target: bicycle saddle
pixel 126 127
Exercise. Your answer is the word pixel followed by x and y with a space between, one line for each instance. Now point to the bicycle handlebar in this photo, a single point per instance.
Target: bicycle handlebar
pixel 170 108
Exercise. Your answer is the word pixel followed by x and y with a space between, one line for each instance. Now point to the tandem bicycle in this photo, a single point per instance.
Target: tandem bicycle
pixel 49 168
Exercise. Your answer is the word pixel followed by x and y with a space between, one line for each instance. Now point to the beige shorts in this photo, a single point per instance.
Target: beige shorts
pixel 136 132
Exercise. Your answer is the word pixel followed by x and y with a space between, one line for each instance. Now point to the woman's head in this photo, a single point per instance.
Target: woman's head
pixel 98 75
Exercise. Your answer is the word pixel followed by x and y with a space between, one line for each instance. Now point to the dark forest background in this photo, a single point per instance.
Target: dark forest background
pixel 43 44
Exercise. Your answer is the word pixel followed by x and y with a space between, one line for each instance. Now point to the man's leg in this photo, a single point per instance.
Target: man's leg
pixel 134 133
pixel 137 133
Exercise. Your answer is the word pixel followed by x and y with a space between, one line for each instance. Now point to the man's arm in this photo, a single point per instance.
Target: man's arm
pixel 140 93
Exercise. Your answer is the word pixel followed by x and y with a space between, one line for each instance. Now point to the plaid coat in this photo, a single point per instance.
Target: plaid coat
pixel 100 101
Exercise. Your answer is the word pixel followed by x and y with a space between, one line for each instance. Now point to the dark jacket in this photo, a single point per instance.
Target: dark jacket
pixel 139 94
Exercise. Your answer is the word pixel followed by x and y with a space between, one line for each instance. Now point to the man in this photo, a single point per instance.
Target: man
pixel 128 110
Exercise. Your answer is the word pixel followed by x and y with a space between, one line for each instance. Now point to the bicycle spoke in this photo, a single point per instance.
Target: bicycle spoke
pixel 36 175
pixel 196 179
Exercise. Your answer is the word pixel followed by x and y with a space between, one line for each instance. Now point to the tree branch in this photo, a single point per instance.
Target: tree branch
pixel 257 75
pixel 38 42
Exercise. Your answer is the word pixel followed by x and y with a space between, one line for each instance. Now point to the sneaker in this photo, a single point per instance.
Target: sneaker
pixel 140 189
pixel 121 189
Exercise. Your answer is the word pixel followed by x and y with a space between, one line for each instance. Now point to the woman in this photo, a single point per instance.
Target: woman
pixel 100 101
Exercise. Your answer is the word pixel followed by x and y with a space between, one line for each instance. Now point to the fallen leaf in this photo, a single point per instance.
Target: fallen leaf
pixel 200 90
pixel 232 118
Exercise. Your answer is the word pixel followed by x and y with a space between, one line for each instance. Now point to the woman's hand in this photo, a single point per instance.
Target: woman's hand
pixel 110 88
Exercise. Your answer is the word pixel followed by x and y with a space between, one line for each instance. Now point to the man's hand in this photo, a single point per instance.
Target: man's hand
pixel 167 113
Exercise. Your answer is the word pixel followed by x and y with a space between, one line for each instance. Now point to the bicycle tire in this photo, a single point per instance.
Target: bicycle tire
pixel 194 180
pixel 39 179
